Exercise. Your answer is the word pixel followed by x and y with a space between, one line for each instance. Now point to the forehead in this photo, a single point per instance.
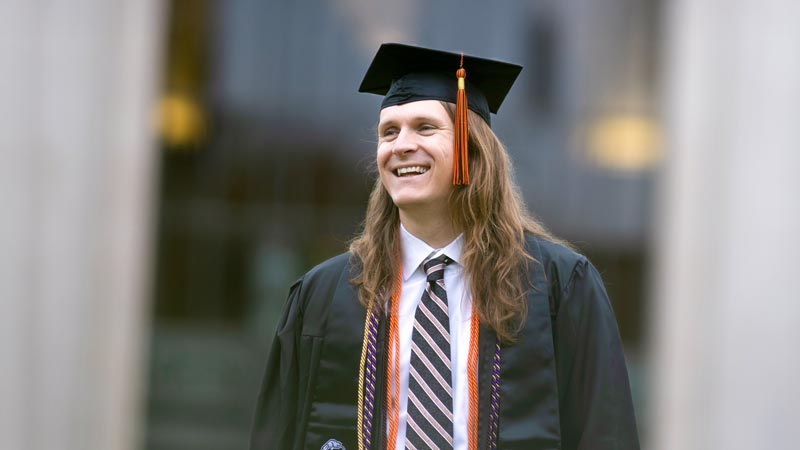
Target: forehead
pixel 423 109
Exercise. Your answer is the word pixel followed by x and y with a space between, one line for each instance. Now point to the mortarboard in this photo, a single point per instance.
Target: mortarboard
pixel 404 74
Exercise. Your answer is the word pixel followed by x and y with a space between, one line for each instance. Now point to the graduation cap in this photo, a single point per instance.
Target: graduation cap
pixel 404 74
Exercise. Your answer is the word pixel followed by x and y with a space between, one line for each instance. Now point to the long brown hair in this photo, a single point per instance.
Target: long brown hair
pixel 492 215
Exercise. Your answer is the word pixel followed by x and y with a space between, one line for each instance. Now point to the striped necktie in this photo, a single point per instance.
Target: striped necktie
pixel 430 393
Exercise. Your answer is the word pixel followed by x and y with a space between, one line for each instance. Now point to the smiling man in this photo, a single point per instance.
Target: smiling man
pixel 455 321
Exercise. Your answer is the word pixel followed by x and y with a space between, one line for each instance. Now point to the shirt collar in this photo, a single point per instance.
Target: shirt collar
pixel 415 251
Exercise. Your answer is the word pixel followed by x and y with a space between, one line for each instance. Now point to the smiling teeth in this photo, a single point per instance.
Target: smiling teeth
pixel 413 169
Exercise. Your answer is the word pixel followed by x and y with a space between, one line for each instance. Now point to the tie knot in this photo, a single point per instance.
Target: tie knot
pixel 434 267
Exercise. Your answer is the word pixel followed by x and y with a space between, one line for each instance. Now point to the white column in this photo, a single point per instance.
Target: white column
pixel 77 181
pixel 726 321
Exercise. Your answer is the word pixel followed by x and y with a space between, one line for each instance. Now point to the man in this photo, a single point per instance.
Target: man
pixel 477 329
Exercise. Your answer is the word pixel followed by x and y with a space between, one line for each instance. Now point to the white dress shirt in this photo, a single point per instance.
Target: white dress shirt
pixel 459 304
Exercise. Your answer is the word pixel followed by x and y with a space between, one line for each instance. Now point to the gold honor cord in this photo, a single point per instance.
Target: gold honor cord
pixel 361 378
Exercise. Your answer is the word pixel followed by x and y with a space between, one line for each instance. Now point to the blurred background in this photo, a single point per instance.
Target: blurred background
pixel 170 167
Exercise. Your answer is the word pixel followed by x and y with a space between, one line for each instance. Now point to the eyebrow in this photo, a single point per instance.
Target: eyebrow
pixel 420 118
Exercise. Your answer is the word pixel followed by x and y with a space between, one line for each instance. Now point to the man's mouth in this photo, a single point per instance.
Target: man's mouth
pixel 410 171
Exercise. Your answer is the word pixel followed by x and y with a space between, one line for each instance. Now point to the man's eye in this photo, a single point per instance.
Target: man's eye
pixel 389 132
pixel 427 127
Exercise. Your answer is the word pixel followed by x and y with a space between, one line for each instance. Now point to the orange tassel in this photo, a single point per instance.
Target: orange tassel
pixel 460 162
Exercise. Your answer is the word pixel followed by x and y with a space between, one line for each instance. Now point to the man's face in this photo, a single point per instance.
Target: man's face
pixel 415 155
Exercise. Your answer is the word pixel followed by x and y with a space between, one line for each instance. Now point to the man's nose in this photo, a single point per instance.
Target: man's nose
pixel 406 142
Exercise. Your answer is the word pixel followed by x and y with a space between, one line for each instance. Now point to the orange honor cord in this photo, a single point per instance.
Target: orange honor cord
pixel 460 162
pixel 393 369
pixel 472 375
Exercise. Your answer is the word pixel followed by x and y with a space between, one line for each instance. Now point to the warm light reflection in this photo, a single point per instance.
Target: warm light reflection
pixel 180 121
pixel 626 143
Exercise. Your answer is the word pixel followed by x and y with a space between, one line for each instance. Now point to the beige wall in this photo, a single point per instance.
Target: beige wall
pixel 726 322
pixel 77 174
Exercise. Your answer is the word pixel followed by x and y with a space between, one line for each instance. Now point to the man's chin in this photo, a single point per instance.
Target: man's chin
pixel 411 206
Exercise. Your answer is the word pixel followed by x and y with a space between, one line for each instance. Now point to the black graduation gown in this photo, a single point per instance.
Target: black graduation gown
pixel 564 384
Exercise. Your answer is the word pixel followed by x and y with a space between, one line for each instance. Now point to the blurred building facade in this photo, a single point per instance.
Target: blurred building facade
pixel 169 168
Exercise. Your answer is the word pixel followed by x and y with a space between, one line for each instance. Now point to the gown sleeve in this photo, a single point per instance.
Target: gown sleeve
pixel 276 408
pixel 596 409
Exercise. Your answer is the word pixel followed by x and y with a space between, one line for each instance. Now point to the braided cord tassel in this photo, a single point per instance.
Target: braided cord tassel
pixel 494 401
